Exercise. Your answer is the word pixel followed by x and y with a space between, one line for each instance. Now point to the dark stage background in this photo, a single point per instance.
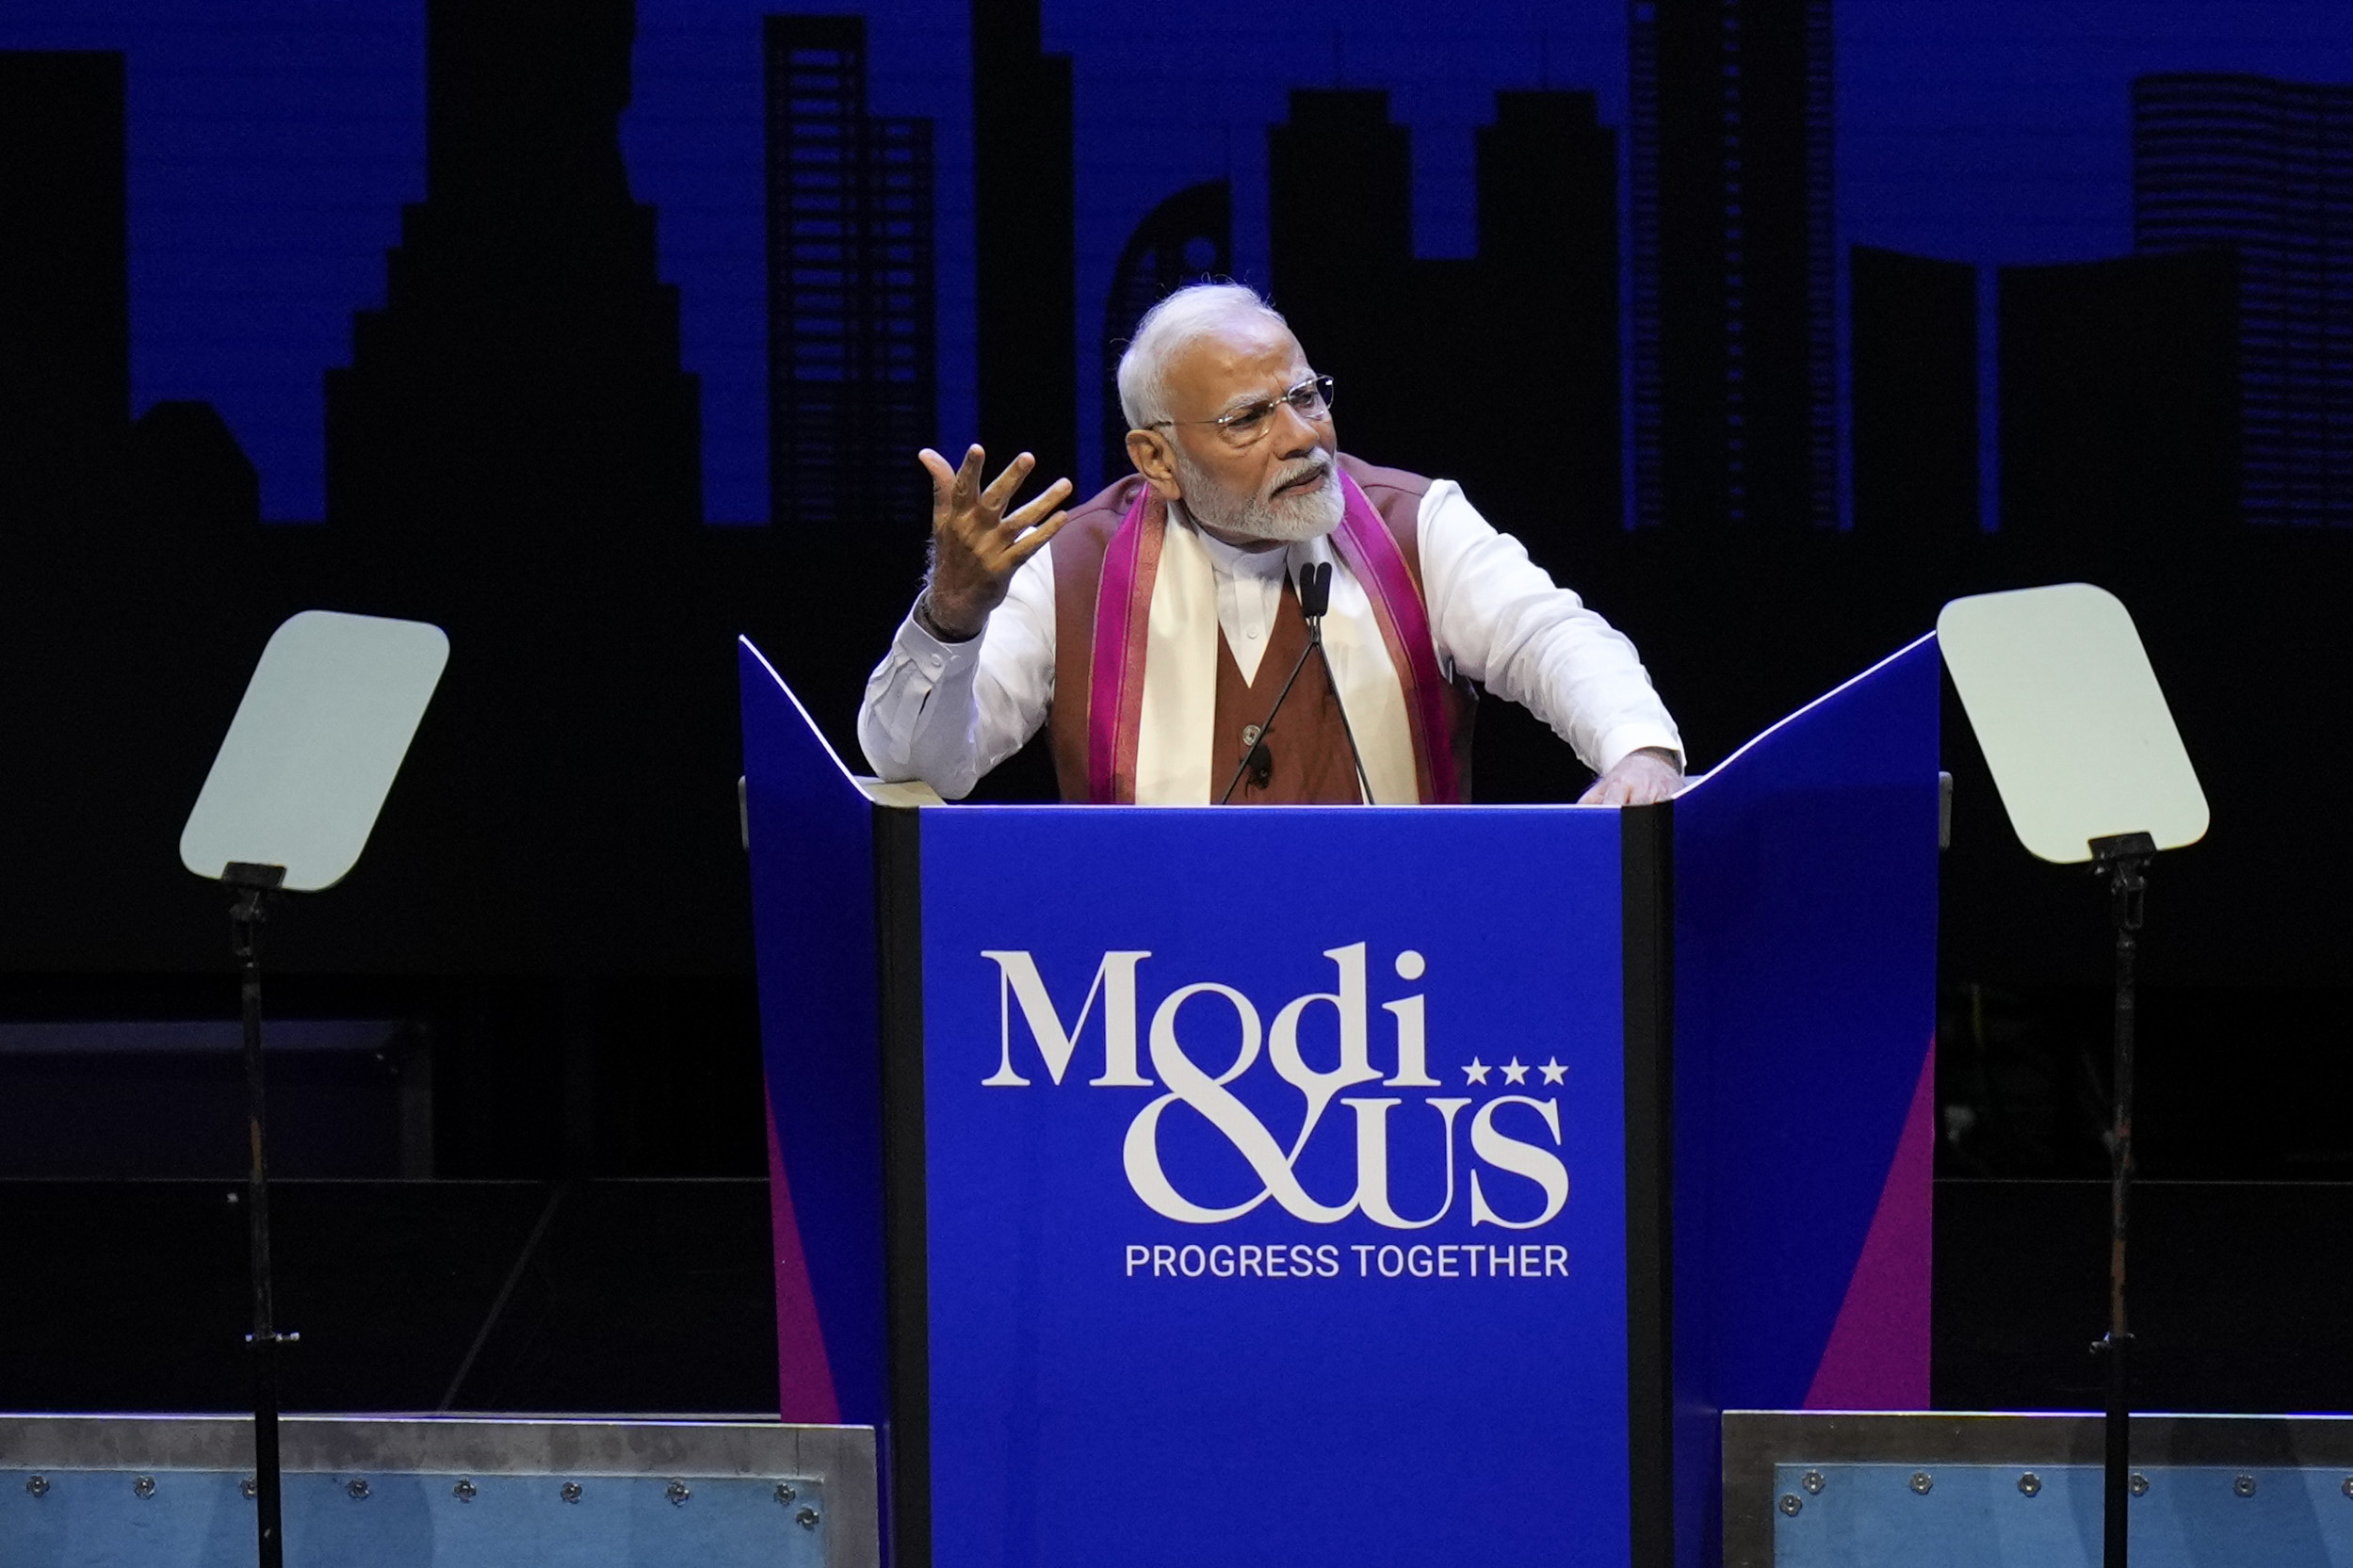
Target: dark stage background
pixel 600 335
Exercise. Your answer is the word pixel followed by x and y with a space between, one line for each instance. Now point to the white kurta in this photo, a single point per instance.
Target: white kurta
pixel 948 712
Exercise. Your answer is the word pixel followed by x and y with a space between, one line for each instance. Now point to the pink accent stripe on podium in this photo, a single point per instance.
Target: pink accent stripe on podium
pixel 804 1378
pixel 1877 1357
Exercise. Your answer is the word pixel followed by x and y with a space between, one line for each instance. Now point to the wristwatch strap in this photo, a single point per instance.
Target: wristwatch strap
pixel 924 619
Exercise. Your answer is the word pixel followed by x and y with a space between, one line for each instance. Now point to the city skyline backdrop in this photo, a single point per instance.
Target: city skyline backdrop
pixel 268 162
pixel 494 301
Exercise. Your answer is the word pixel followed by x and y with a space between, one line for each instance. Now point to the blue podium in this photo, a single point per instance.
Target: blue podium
pixel 1345 1186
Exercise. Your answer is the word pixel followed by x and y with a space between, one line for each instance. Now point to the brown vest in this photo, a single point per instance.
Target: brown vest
pixel 1313 763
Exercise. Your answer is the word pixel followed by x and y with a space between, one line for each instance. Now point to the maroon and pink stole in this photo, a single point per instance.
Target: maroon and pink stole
pixel 1122 614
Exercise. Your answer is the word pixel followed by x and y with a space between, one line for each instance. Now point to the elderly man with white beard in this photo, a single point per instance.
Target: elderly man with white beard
pixel 1155 628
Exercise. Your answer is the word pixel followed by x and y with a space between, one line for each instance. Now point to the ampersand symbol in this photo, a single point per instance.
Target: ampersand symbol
pixel 1188 1085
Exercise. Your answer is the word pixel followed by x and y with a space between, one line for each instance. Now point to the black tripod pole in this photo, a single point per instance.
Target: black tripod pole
pixel 252 886
pixel 2124 861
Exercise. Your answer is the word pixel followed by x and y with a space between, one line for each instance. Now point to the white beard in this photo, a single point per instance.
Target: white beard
pixel 1286 520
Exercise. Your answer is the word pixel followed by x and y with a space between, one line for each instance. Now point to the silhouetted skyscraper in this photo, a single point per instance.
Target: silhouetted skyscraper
pixel 1734 330
pixel 1340 225
pixel 1522 339
pixel 1025 203
pixel 2119 399
pixel 2266 167
pixel 1546 285
pixel 1185 240
pixel 65 326
pixel 851 380
pixel 1912 342
pixel 525 365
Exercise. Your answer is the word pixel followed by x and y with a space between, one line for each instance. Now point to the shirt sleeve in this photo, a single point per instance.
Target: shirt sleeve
pixel 948 712
pixel 1503 622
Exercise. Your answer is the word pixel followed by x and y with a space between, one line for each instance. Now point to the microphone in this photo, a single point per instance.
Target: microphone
pixel 1315 598
pixel 1315 595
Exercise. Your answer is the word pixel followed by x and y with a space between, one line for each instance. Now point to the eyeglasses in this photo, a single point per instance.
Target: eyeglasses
pixel 1311 400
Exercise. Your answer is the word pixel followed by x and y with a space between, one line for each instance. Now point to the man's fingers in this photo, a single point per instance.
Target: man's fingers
pixel 943 480
pixel 969 474
pixel 1001 489
pixel 1611 789
pixel 1031 542
pixel 1047 500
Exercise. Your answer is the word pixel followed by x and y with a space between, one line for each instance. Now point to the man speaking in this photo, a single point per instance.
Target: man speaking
pixel 1168 630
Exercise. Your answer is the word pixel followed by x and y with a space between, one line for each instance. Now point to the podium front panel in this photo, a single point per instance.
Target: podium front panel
pixel 1274 1190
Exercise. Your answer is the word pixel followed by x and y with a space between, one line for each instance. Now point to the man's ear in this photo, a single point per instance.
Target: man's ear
pixel 1156 461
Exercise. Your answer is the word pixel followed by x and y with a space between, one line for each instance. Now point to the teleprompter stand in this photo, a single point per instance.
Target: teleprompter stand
pixel 253 887
pixel 2078 738
pixel 292 797
pixel 2122 860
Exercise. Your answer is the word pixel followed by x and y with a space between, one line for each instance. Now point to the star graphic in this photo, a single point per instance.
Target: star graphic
pixel 1477 1070
pixel 1513 1071
pixel 1553 1072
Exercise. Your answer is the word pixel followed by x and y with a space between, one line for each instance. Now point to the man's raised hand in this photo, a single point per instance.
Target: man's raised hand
pixel 977 545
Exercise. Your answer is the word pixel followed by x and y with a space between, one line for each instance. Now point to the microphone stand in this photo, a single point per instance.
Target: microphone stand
pixel 1315 641
pixel 1315 597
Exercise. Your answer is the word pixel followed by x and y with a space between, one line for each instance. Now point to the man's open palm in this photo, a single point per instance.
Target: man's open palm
pixel 976 545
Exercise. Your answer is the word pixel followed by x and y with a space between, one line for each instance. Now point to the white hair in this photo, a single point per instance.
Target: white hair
pixel 1185 317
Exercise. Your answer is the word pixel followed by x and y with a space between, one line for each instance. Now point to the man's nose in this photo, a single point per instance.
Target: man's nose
pixel 1296 435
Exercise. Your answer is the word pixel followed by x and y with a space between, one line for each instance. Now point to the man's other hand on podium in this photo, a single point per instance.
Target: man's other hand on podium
pixel 1640 779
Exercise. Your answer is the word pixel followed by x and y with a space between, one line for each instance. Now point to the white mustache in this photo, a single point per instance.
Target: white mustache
pixel 1309 468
